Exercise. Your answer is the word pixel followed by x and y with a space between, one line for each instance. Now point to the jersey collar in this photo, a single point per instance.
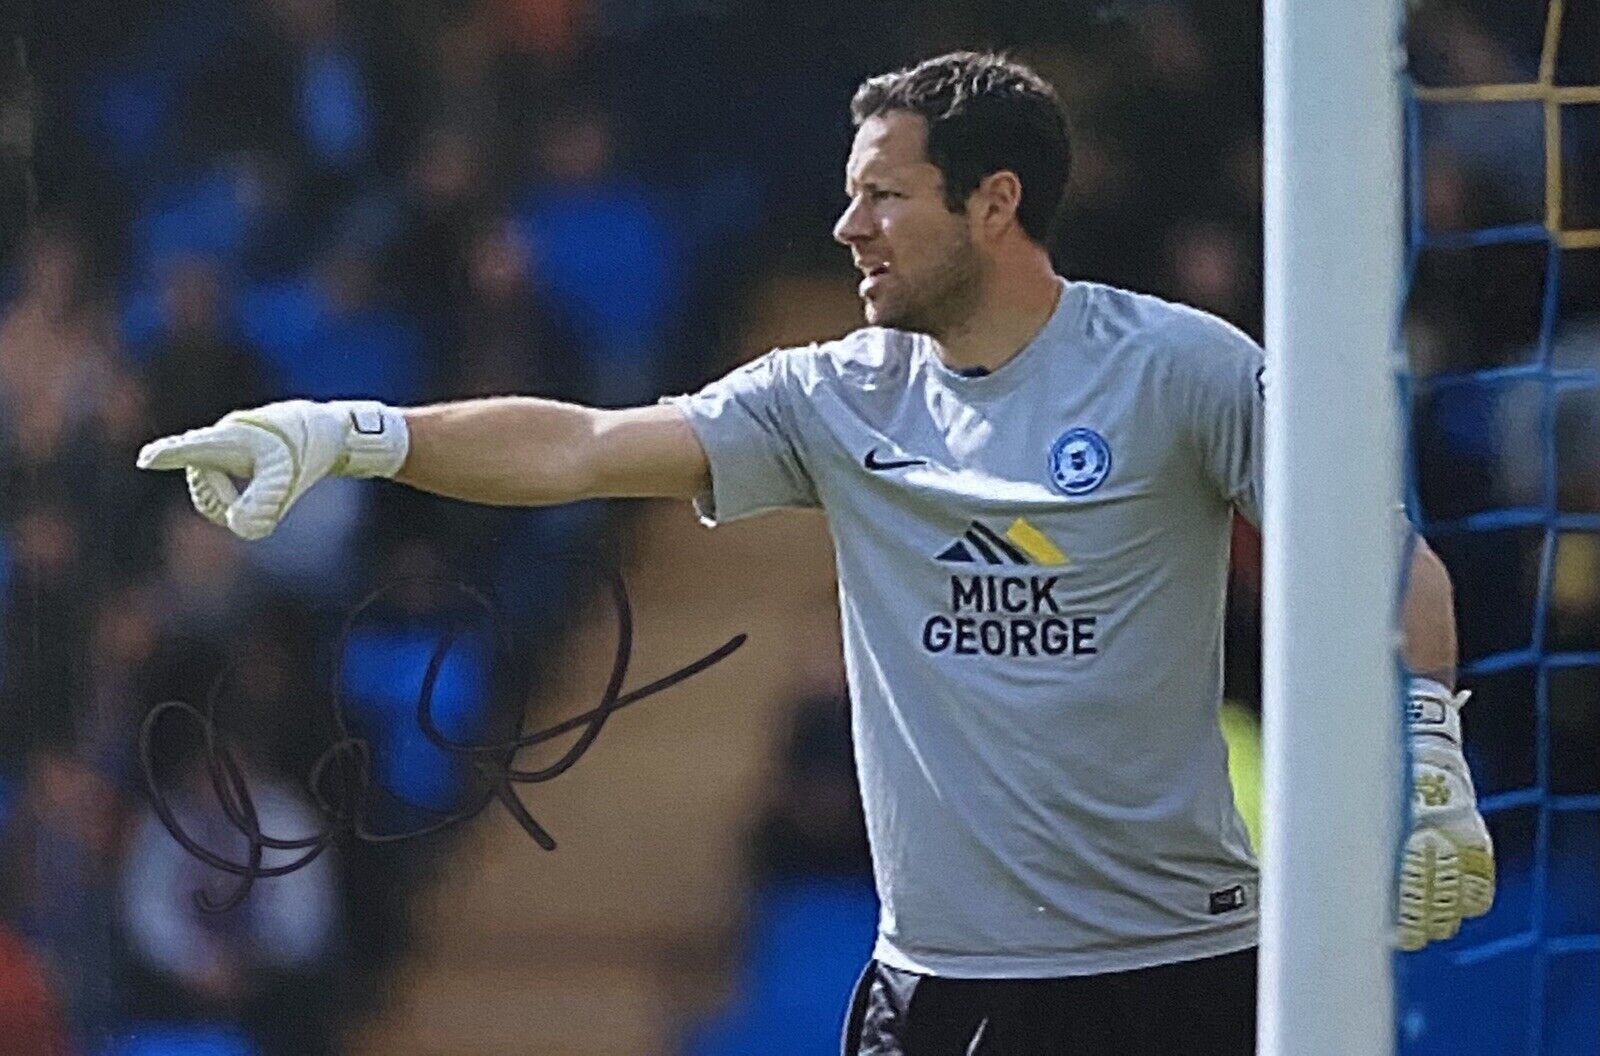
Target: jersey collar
pixel 1057 329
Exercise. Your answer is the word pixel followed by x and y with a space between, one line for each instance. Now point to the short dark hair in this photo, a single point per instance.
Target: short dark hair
pixel 985 114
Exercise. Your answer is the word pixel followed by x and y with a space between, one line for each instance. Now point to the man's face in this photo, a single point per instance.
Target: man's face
pixel 920 269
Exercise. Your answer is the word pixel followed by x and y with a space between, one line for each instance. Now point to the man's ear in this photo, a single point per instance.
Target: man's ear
pixel 995 201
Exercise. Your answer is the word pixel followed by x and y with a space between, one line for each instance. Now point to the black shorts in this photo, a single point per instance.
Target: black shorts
pixel 1195 1008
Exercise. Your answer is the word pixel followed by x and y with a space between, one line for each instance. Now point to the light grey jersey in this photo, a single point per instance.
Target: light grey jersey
pixel 1032 566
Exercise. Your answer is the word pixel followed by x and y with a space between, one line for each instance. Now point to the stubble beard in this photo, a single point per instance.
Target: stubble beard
pixel 942 302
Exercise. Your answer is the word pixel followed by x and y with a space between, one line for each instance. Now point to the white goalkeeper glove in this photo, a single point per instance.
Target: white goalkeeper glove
pixel 279 450
pixel 1447 872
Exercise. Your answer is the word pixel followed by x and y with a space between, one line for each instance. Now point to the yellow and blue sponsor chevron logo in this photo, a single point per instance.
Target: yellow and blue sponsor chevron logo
pixel 1022 544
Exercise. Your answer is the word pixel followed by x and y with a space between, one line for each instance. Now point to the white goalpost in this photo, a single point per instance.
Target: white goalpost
pixel 1333 268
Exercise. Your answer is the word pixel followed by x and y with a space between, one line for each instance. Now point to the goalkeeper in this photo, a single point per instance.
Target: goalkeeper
pixel 1029 483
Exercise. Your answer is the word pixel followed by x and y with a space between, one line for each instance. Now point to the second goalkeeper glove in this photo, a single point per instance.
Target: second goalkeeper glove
pixel 1447 872
pixel 279 450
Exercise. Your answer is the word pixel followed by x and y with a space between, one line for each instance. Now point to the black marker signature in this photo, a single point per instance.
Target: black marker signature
pixel 341 777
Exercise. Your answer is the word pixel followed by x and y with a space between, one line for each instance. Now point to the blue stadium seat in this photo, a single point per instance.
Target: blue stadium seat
pixel 199 1039
pixel 809 940
pixel 382 680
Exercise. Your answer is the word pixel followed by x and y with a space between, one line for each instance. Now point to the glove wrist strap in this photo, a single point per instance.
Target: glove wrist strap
pixel 1433 709
pixel 375 439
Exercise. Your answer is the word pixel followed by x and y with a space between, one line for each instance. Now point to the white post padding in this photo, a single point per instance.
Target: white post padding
pixel 1333 272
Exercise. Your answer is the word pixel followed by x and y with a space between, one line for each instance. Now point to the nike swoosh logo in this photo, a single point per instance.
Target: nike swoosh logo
pixel 873 463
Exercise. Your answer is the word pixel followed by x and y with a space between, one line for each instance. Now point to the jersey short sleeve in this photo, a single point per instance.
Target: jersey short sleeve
pixel 747 423
pixel 1219 385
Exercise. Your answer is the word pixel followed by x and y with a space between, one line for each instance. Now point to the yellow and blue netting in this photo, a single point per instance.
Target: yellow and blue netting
pixel 1524 980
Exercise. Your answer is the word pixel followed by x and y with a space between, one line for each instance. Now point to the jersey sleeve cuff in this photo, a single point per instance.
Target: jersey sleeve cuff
pixel 705 503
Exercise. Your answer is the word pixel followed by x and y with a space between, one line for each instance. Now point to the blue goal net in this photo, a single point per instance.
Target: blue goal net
pixel 1502 330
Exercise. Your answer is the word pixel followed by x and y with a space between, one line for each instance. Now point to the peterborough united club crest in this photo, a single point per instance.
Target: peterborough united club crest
pixel 1080 459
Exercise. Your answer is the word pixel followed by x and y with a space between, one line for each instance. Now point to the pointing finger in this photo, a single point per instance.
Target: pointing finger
pixel 224 447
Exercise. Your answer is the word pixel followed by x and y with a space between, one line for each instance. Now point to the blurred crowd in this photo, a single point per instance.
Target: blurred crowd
pixel 243 200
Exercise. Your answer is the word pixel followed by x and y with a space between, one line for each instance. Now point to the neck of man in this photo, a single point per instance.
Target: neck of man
pixel 1015 300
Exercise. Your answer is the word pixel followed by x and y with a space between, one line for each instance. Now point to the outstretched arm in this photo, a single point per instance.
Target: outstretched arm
pixel 524 451
pixel 509 450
